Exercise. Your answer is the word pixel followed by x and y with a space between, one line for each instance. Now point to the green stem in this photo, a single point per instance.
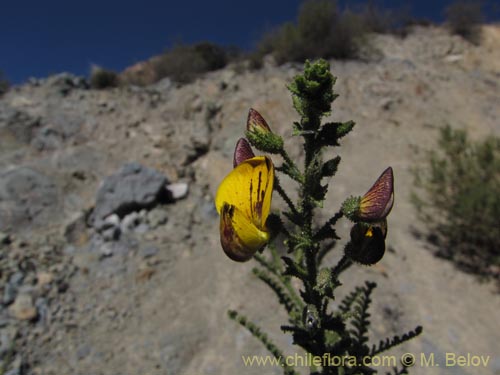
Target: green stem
pixel 285 196
pixel 324 250
pixel 276 269
pixel 292 170
pixel 262 337
pixel 343 264
pixel 307 211
pixel 293 309
pixel 325 230
pixel 276 258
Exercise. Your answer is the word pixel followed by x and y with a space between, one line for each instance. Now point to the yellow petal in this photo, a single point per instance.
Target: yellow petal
pixel 249 187
pixel 239 237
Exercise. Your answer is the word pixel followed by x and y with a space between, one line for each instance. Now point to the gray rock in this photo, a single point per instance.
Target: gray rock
pixel 149 252
pixel 83 351
pixel 111 234
pixel 69 250
pixel 47 139
pixel 106 251
pixel 76 232
pixel 23 308
pixel 9 294
pixel 178 190
pixel 142 228
pixel 64 123
pixel 130 222
pixel 12 287
pixel 20 124
pixel 111 221
pixel 156 217
pixel 132 188
pixel 4 321
pixel 27 198
pixel 163 85
pixel 42 308
pixel 16 279
pixel 63 83
pixel 6 341
pixel 207 210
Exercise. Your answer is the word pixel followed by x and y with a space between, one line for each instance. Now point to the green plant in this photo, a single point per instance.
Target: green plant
pixel 184 63
pixel 322 331
pixel 459 199
pixel 101 78
pixel 464 18
pixel 4 84
pixel 384 21
pixel 321 30
pixel 324 30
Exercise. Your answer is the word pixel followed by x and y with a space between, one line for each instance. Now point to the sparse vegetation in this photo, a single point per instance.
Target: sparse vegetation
pixel 101 78
pixel 4 84
pixel 464 18
pixel 321 30
pixel 184 63
pixel 461 201
pixel 324 30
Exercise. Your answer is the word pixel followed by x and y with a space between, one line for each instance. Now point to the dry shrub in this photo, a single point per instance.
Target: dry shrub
pixel 460 201
pixel 323 30
pixel 101 78
pixel 464 18
pixel 184 63
pixel 4 84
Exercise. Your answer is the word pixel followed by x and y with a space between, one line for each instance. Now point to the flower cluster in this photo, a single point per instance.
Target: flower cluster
pixel 243 201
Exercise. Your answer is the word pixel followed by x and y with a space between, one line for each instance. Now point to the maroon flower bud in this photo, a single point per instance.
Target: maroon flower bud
pixel 242 152
pixel 256 123
pixel 376 204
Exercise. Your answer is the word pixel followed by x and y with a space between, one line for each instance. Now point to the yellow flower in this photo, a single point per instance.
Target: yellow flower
pixel 243 201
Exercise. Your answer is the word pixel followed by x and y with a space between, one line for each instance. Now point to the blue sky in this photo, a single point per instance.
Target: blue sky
pixel 39 38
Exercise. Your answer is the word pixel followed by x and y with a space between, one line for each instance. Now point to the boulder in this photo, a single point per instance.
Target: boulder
pixel 27 198
pixel 132 188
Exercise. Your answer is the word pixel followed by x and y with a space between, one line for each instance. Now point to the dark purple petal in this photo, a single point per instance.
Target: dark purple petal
pixel 242 152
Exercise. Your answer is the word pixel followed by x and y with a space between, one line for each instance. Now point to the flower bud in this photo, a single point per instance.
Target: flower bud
pixel 256 123
pixel 260 135
pixel 325 283
pixel 350 207
pixel 376 204
pixel 242 152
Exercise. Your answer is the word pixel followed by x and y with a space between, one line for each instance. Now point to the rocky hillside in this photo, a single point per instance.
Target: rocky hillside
pixel 110 261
